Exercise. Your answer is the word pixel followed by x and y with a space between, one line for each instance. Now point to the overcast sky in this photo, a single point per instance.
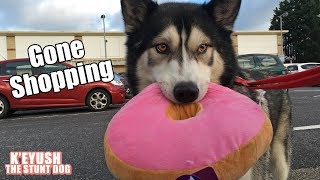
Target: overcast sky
pixel 84 15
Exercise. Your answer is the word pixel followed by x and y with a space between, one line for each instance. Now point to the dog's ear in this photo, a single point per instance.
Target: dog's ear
pixel 135 11
pixel 224 12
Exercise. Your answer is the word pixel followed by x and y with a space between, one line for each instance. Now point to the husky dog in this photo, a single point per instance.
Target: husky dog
pixel 183 47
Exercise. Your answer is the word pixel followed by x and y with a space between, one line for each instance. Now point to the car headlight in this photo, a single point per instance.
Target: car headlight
pixel 117 83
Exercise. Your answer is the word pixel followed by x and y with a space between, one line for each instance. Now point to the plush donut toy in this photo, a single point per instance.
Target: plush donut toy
pixel 152 139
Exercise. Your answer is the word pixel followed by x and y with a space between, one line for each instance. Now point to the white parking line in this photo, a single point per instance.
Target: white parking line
pixel 52 116
pixel 306 127
pixel 317 96
pixel 307 90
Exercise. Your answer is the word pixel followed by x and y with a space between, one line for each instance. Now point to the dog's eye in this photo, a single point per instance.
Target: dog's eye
pixel 202 48
pixel 162 48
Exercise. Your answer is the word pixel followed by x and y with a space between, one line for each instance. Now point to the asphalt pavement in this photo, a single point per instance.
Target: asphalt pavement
pixel 78 134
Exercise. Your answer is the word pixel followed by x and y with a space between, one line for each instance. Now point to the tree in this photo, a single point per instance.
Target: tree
pixel 303 22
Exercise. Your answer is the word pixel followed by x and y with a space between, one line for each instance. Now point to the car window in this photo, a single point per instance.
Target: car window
pixel 117 77
pixel 292 68
pixel 309 66
pixel 246 62
pixel 53 68
pixel 267 61
pixel 18 68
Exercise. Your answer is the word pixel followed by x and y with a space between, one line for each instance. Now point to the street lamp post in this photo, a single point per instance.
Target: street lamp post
pixel 104 35
pixel 281 30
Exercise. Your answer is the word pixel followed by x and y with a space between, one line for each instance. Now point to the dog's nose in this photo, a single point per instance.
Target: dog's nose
pixel 186 92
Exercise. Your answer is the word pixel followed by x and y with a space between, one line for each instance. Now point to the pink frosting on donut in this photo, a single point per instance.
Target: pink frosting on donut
pixel 141 135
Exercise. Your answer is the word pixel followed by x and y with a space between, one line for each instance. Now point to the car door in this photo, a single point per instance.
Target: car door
pixel 14 68
pixel 65 97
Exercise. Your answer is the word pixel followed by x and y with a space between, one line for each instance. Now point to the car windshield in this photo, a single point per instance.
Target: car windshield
pixel 246 62
pixel 17 68
pixel 292 68
pixel 267 61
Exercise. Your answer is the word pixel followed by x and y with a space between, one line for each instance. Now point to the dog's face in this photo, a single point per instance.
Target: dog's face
pixel 180 46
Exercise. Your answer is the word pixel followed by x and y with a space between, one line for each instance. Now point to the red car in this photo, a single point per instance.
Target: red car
pixel 97 96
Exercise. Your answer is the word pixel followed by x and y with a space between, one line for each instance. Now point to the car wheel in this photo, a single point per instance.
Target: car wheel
pixel 98 100
pixel 4 107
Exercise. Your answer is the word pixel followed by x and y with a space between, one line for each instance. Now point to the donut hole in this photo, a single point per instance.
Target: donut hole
pixel 183 111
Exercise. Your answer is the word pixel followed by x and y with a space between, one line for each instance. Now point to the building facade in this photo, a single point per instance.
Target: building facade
pixel 14 44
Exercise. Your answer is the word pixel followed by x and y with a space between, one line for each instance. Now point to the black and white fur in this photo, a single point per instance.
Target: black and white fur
pixel 183 46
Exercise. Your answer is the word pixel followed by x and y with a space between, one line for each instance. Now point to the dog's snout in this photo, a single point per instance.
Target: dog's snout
pixel 186 92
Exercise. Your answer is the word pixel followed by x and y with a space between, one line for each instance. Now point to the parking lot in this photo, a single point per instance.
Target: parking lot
pixel 78 133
